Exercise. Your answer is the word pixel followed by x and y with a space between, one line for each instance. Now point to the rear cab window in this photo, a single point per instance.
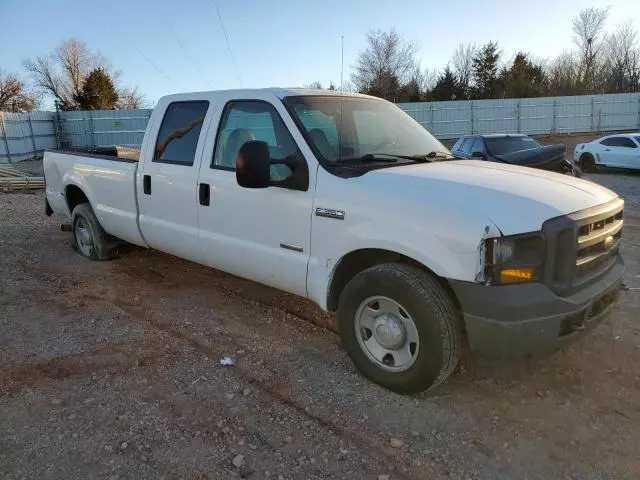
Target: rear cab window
pixel 179 132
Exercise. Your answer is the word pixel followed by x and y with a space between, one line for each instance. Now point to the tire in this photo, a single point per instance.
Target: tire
pixel 89 238
pixel 587 163
pixel 424 301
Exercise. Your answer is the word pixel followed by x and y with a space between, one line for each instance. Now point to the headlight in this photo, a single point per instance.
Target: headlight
pixel 514 259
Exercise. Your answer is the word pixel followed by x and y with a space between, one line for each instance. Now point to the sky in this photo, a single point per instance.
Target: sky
pixel 169 46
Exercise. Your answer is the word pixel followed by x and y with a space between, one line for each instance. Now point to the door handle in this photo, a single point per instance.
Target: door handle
pixel 146 184
pixel 204 194
pixel 607 149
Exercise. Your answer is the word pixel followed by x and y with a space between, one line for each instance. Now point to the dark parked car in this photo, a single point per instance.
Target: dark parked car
pixel 515 149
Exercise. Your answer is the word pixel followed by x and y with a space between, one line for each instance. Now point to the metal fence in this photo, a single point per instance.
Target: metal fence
pixel 100 128
pixel 532 116
pixel 26 135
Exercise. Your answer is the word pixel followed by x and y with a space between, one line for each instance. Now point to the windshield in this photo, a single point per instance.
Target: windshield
pixel 504 145
pixel 348 128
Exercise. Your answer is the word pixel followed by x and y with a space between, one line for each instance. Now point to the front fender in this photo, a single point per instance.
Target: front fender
pixel 446 259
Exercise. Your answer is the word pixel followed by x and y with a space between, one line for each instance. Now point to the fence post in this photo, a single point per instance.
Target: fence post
pixel 592 115
pixel 3 133
pixel 639 111
pixel 93 134
pixel 554 125
pixel 471 113
pixel 33 139
pixel 431 117
pixel 518 116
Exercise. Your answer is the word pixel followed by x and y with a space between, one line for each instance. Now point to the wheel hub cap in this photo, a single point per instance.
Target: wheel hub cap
pixel 389 332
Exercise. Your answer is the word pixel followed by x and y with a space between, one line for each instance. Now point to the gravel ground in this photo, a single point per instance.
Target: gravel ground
pixel 112 370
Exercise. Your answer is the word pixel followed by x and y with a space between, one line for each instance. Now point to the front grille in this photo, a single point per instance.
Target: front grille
pixel 582 246
pixel 598 241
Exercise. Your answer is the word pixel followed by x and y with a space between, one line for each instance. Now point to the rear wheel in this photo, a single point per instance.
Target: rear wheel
pixel 89 238
pixel 587 163
pixel 400 327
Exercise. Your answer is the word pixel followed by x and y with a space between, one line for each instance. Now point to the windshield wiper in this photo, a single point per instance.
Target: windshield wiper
pixel 438 154
pixel 385 158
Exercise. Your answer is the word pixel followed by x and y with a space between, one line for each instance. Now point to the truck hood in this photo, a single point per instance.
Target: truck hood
pixel 516 199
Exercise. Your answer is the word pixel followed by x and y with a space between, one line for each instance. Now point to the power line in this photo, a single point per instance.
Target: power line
pixel 226 39
pixel 186 53
pixel 154 65
pixel 149 61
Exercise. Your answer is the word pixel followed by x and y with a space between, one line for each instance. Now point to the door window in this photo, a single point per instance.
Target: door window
pixel 247 120
pixel 618 142
pixel 179 132
pixel 465 148
pixel 478 146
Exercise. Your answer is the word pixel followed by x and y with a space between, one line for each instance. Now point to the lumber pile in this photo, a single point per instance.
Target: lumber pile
pixel 12 179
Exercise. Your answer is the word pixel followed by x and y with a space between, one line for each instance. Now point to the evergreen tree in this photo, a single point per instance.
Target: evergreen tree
pixel 98 92
pixel 525 78
pixel 485 71
pixel 447 87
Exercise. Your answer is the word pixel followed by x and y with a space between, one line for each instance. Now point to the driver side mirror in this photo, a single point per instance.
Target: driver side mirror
pixel 479 155
pixel 253 165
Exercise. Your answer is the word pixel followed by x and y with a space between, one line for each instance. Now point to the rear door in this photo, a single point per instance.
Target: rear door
pixel 168 181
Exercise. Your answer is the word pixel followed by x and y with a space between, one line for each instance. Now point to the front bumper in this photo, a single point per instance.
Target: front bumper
pixel 529 319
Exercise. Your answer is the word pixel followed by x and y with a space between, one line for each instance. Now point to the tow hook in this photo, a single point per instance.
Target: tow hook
pixel 65 227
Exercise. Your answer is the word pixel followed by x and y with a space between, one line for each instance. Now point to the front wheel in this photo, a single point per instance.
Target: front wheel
pixel 400 327
pixel 587 163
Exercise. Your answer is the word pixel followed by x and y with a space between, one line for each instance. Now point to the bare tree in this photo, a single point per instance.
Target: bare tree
pixel 462 65
pixel 623 59
pixel 563 75
pixel 130 99
pixel 62 73
pixel 387 63
pixel 14 96
pixel 314 85
pixel 589 36
pixel 430 79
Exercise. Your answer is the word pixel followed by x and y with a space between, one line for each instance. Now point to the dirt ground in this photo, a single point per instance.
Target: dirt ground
pixel 112 370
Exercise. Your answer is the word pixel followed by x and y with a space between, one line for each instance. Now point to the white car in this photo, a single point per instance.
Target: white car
pixel 616 151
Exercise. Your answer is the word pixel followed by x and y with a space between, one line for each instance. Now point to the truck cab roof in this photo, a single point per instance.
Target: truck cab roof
pixel 276 92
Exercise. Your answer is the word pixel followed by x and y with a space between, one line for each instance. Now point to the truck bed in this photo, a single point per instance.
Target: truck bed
pixel 109 182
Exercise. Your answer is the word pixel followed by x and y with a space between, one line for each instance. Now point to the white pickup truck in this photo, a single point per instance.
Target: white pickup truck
pixel 347 201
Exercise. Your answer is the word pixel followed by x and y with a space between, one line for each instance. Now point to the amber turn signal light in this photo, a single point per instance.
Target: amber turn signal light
pixel 512 275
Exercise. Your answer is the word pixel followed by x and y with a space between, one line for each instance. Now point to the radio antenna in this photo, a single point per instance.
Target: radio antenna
pixel 341 63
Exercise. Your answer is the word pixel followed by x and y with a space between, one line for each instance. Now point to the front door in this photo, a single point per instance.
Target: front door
pixel 629 153
pixel 168 187
pixel 259 234
pixel 617 151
